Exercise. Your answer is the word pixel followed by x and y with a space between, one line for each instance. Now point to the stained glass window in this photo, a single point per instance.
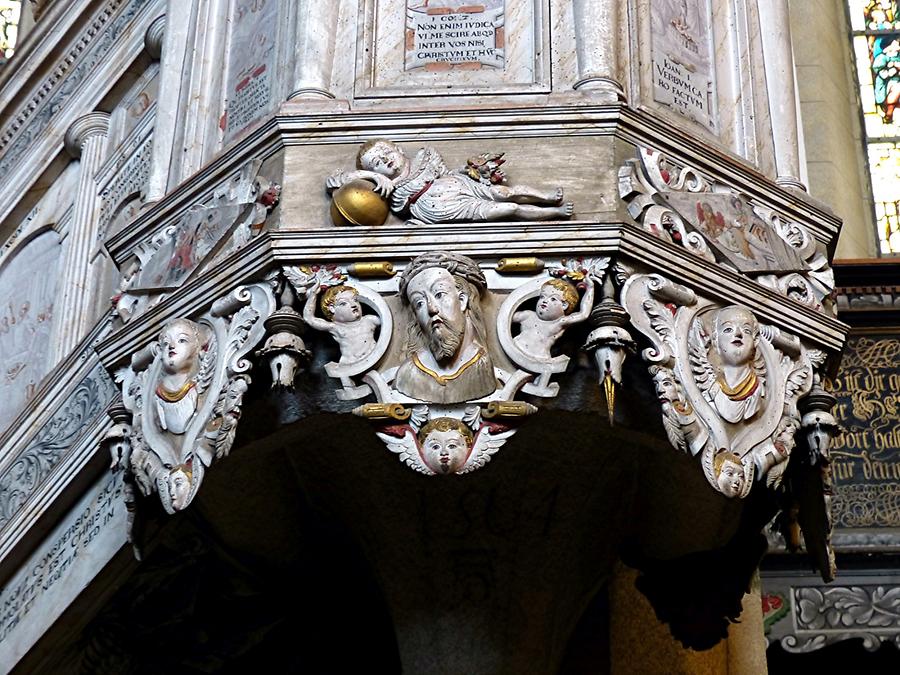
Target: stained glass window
pixel 9 28
pixel 876 47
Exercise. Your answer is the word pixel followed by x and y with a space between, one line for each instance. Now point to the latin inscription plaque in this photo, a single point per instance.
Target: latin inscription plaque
pixel 446 34
pixel 681 58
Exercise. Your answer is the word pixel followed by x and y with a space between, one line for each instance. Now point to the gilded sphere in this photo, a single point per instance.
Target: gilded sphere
pixel 357 203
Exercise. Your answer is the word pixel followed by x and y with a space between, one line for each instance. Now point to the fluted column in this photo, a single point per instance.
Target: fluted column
pixel 774 18
pixel 597 48
pixel 153 37
pixel 85 140
pixel 316 27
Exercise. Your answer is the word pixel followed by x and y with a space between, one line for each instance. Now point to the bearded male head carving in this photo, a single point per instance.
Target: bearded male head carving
pixel 447 360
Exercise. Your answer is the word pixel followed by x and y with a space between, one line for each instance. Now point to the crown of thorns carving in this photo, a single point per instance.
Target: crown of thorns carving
pixel 457 265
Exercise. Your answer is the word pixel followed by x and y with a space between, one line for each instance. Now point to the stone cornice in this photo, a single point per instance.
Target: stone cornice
pixel 478 240
pixel 95 56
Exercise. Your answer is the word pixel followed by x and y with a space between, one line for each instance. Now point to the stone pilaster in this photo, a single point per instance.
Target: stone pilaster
pixel 153 38
pixel 85 140
pixel 597 48
pixel 774 16
pixel 316 28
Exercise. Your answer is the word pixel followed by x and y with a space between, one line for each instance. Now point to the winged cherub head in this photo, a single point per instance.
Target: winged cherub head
pixel 445 444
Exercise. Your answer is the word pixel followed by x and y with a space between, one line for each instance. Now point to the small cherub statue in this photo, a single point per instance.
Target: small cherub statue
pixel 553 313
pixel 730 475
pixel 185 363
pixel 351 329
pixel 432 193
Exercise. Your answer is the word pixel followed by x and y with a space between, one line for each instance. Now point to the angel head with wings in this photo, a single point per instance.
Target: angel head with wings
pixel 185 364
pixel 729 365
pixel 446 445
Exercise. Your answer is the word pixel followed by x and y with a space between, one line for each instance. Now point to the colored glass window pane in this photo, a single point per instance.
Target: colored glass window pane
pixel 876 48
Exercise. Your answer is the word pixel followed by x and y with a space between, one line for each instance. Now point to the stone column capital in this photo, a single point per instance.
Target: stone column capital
pixel 92 124
pixel 153 38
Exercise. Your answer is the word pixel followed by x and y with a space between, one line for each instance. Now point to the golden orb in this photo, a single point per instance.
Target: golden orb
pixel 357 203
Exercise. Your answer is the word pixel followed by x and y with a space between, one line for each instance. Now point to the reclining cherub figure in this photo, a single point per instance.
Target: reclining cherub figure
pixel 432 193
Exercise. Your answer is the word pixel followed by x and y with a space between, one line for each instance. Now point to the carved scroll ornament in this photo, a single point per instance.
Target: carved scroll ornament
pixel 184 392
pixel 718 224
pixel 728 384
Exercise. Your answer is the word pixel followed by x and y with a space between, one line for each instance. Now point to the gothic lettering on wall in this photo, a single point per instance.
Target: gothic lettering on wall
pixel 866 457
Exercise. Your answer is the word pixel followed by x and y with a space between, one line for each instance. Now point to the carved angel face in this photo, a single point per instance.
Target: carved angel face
pixel 385 158
pixel 179 488
pixel 445 452
pixel 736 335
pixel 180 346
pixel 439 307
pixel 731 478
pixel 346 307
pixel 551 305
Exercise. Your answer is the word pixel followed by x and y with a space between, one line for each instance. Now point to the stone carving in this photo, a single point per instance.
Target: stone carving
pixel 344 319
pixel 444 403
pixel 184 392
pixel 226 223
pixel 728 385
pixel 94 45
pixel 431 193
pixel 825 615
pixel 446 445
pixel 52 442
pixel 352 329
pixel 447 359
pixel 718 224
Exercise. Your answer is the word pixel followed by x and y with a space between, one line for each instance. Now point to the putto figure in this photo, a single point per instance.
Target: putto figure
pixel 185 366
pixel 445 444
pixel 432 193
pixel 351 329
pixel 731 370
pixel 447 361
pixel 554 312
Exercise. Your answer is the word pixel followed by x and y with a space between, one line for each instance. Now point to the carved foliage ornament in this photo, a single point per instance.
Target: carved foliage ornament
pixel 728 384
pixel 718 224
pixel 184 392
pixel 446 384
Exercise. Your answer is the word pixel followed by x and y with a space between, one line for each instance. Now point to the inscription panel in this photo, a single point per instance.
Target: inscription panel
pixel 866 458
pixel 251 64
pixel 681 55
pixel 451 47
pixel 74 553
pixel 440 38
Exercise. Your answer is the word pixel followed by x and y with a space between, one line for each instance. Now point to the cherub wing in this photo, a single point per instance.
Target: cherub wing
pixel 207 365
pixel 674 431
pixel 485 445
pixel 698 350
pixel 407 450
pixel 662 322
